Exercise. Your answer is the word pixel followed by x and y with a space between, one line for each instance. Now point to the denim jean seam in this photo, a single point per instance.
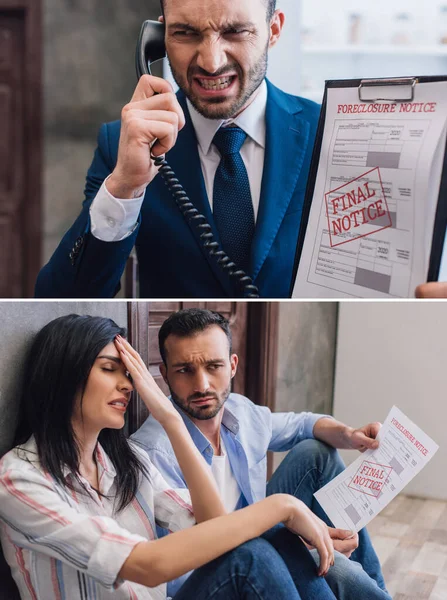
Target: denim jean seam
pixel 303 478
pixel 230 580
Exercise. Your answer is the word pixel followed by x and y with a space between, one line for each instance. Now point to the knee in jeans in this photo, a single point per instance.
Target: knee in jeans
pixel 344 570
pixel 257 550
pixel 322 453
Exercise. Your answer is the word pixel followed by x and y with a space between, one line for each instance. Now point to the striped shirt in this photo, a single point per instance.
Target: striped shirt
pixel 70 545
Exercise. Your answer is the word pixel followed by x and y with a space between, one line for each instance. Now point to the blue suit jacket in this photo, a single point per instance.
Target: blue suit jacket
pixel 172 260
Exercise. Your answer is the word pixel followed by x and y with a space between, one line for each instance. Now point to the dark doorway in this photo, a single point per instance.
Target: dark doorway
pixel 20 146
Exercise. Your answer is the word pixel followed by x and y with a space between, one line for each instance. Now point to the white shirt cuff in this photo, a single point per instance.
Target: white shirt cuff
pixel 113 219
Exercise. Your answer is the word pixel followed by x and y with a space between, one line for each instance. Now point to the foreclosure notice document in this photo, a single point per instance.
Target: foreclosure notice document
pixel 357 495
pixel 370 227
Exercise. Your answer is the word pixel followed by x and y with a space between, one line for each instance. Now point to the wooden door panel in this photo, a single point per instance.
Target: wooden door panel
pixel 12 43
pixel 6 162
pixel 11 153
pixel 10 256
pixel 20 144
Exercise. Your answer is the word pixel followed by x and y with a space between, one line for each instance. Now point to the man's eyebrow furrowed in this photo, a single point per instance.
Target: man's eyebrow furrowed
pixel 184 26
pixel 225 27
pixel 208 362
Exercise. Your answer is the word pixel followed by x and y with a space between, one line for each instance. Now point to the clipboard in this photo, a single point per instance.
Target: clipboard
pixel 397 90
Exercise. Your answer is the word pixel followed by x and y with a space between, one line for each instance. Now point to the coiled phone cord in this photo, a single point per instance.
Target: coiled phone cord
pixel 190 213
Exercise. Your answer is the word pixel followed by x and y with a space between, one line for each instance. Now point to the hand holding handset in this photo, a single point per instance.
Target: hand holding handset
pixel 150 48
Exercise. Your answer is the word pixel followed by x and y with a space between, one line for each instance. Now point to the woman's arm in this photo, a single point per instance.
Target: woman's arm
pixel 153 563
pixel 205 497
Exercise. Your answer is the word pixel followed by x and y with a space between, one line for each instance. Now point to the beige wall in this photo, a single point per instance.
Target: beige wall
pixel 395 353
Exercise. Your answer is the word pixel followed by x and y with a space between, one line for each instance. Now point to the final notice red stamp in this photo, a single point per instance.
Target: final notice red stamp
pixel 370 478
pixel 357 209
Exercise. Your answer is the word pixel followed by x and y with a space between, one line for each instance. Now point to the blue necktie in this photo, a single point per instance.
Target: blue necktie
pixel 232 204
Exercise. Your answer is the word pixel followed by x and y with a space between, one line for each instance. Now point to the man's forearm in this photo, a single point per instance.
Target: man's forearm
pixel 332 432
pixel 338 435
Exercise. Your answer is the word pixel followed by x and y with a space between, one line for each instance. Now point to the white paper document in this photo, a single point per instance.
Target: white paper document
pixel 357 495
pixel 373 210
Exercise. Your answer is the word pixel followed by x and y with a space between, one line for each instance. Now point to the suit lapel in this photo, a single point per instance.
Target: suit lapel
pixel 287 136
pixel 185 162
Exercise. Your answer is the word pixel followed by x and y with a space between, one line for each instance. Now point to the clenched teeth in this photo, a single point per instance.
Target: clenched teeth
pixel 221 83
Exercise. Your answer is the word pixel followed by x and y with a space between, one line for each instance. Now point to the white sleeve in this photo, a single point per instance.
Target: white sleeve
pixel 113 219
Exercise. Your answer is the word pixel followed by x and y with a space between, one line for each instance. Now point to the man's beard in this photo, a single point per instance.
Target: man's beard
pixel 201 413
pixel 248 86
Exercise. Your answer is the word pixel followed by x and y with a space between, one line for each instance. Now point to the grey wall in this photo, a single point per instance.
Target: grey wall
pixel 307 338
pixel 306 358
pixel 89 75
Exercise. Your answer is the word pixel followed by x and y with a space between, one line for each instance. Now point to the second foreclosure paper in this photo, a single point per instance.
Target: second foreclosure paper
pixel 373 209
pixel 357 495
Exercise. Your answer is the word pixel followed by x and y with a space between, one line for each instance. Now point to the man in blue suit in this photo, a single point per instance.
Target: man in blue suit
pixel 240 147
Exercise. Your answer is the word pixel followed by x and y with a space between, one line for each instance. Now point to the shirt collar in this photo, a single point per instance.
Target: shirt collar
pixel 106 470
pixel 251 120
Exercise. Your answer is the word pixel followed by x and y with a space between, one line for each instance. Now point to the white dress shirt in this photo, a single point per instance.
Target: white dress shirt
pixel 114 219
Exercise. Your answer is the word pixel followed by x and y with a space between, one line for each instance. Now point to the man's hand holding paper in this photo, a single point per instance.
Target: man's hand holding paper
pixel 359 493
pixel 341 436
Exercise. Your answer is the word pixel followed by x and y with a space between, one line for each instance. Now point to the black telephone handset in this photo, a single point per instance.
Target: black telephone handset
pixel 151 47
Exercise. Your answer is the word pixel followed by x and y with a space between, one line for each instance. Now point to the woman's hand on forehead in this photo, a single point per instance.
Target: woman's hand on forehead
pixel 155 400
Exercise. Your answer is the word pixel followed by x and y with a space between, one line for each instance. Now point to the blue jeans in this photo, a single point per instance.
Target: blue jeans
pixel 275 566
pixel 308 467
pixel 348 580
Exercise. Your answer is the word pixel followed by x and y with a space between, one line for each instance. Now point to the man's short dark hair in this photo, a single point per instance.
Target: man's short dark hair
pixel 271 7
pixel 190 321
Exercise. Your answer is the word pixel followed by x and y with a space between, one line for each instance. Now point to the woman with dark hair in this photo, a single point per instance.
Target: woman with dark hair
pixel 79 503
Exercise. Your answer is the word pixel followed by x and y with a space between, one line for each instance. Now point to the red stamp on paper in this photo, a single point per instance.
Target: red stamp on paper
pixel 370 478
pixel 357 209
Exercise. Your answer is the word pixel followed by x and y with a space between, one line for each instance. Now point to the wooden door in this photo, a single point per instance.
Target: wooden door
pixel 20 143
pixel 254 330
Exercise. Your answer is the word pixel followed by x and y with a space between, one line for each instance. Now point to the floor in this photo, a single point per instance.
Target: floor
pixel 410 537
